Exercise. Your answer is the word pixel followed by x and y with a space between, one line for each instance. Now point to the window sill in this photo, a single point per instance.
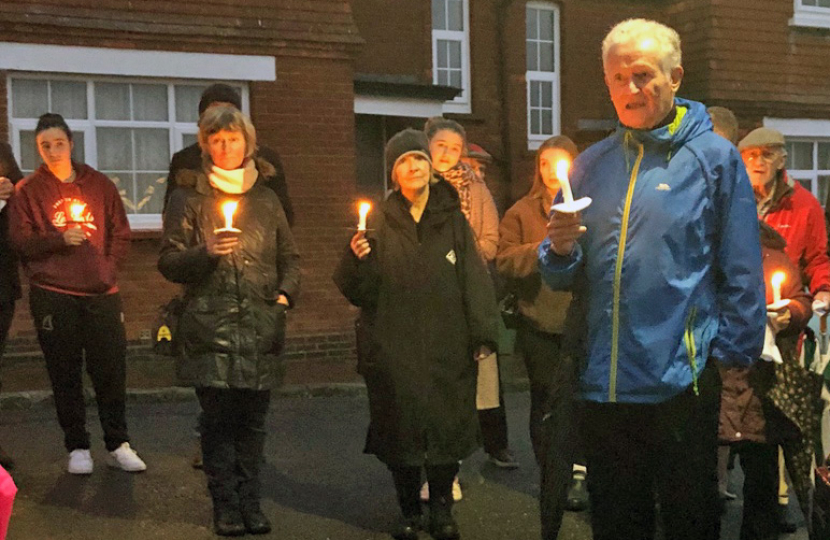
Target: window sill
pixel 811 19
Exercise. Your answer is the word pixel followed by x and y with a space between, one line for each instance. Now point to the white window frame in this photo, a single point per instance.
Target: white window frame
pixel 95 64
pixel 810 16
pixel 535 140
pixel 804 130
pixel 462 103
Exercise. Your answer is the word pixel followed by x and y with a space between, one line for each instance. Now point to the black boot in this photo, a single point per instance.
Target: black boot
pixel 227 519
pixel 407 527
pixel 250 444
pixel 6 460
pixel 442 525
pixel 255 521
pixel 407 485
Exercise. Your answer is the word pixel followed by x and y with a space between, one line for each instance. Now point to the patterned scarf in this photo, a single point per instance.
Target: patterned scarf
pixel 461 176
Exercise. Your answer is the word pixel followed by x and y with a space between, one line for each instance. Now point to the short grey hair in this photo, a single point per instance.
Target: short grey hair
pixel 667 39
pixel 226 118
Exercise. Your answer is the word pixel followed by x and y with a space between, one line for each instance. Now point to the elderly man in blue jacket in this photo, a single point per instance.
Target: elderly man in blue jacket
pixel 665 268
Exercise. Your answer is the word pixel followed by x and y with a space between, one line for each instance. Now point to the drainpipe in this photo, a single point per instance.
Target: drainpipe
pixel 504 80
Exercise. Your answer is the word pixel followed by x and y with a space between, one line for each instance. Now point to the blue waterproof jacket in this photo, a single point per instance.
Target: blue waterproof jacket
pixel 669 273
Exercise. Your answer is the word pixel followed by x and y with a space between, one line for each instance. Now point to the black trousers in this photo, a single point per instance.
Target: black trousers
pixel 232 425
pixel 408 485
pixel 552 420
pixel 759 462
pixel 635 451
pixel 6 316
pixel 73 328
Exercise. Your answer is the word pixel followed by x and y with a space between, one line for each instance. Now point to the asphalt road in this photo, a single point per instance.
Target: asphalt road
pixel 317 483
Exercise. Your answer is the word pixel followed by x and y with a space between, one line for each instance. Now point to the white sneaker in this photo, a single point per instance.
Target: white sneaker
pixel 80 462
pixel 456 490
pixel 126 459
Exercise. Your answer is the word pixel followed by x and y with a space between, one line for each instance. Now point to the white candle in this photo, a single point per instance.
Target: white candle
pixel 77 211
pixel 363 212
pixel 777 280
pixel 562 167
pixel 228 209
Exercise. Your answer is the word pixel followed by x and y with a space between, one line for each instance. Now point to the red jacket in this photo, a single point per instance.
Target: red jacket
pixel 797 216
pixel 42 209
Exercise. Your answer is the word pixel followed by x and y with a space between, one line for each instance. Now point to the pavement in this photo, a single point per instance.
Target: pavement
pixel 317 483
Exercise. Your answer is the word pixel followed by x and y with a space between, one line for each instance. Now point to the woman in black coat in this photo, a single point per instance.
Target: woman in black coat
pixel 428 313
pixel 239 281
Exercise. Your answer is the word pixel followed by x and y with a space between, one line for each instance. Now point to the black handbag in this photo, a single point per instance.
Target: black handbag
pixel 509 308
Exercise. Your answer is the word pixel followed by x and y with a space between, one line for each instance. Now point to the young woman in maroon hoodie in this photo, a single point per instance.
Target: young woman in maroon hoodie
pixel 69 226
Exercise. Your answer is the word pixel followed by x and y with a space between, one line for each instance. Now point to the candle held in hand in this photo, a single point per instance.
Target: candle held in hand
pixel 562 167
pixel 229 208
pixel 363 211
pixel 777 280
pixel 77 212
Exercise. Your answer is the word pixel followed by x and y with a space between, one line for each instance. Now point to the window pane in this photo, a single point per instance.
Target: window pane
pixel 823 188
pixel 546 60
pixel 124 184
pixel 547 94
pixel 443 77
pixel 29 157
pixel 808 2
pixel 547 122
pixel 150 102
pixel 455 15
pixel 78 147
pixel 531 22
pixel 29 98
pixel 188 139
pixel 150 189
pixel 823 155
pixel 439 15
pixel 806 184
pixel 455 79
pixel 533 56
pixel 535 92
pixel 535 122
pixel 115 149
pixel 69 99
pixel 187 103
pixel 152 149
pixel 443 55
pixel 454 49
pixel 800 155
pixel 546 24
pixel 824 3
pixel 112 101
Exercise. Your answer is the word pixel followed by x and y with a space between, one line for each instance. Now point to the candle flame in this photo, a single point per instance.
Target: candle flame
pixel 364 209
pixel 229 208
pixel 562 167
pixel 778 278
pixel 77 211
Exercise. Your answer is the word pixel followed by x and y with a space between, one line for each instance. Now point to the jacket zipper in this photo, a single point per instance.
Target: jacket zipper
pixel 691 347
pixel 615 317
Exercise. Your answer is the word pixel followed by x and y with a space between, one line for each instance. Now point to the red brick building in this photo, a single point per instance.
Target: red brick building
pixel 327 82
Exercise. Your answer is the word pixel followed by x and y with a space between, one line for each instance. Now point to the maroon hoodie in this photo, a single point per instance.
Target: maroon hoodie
pixel 43 208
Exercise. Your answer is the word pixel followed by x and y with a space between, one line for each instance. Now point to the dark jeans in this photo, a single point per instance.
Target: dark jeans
pixel 232 425
pixel 408 484
pixel 552 420
pixel 671 447
pixel 73 328
pixel 6 316
pixel 760 466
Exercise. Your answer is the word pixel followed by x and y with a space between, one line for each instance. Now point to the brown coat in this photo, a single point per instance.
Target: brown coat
pixel 521 231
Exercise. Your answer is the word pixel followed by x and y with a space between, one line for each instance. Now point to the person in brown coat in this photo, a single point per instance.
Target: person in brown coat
pixel 539 335
pixel 749 420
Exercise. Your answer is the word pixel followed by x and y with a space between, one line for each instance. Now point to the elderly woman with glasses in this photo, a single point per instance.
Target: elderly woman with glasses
pixel 227 240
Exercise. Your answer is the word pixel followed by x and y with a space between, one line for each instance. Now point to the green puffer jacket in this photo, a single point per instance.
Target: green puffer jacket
pixel 231 322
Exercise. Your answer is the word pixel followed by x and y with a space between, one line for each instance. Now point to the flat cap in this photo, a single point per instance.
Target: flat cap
pixel 762 137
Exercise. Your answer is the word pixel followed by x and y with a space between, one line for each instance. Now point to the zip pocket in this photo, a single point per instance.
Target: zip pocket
pixel 691 347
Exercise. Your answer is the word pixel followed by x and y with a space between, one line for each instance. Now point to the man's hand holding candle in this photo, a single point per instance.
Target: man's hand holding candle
pixel 564 229
pixel 360 245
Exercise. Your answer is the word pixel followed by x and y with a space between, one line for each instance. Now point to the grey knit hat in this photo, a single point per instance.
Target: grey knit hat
pixel 408 141
pixel 762 137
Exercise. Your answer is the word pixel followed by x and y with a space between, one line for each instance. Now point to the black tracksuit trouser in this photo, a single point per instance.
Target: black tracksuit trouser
pixel 669 450
pixel 72 329
pixel 553 422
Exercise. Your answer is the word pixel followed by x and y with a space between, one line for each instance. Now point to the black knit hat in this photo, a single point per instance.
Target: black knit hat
pixel 219 93
pixel 405 142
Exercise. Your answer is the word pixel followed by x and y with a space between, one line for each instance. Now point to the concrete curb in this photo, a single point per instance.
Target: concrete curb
pixel 172 394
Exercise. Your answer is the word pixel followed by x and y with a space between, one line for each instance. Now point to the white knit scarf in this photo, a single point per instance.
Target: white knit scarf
pixel 236 181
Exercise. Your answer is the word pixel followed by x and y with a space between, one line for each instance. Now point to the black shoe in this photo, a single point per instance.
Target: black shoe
pixel 785 526
pixel 6 460
pixel 504 459
pixel 255 521
pixel 442 525
pixel 407 527
pixel 577 496
pixel 227 521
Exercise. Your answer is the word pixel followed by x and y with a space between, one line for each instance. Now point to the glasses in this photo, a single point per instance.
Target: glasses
pixel 758 154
